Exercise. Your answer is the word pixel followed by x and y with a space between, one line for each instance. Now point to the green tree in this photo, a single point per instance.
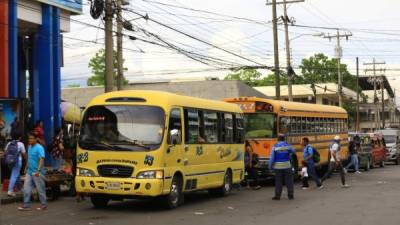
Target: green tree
pixel 320 69
pixel 251 77
pixel 98 66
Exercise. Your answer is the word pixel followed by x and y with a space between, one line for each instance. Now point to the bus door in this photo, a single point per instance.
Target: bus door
pixel 174 157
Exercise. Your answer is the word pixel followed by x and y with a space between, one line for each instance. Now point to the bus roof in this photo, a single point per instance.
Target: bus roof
pixel 285 106
pixel 161 98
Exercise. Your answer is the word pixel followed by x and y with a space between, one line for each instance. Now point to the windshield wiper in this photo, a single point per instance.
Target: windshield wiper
pixel 133 142
pixel 101 144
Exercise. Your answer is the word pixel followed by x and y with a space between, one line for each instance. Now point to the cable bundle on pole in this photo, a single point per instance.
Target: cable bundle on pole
pixel 96 8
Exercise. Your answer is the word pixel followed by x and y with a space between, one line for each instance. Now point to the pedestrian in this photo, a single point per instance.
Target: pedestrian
pixel 354 147
pixel 304 176
pixel 334 162
pixel 308 157
pixel 251 160
pixel 280 163
pixel 34 174
pixel 15 150
pixel 57 149
pixel 38 130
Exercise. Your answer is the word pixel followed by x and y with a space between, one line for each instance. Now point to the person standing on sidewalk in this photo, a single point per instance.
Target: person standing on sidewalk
pixel 308 157
pixel 335 163
pixel 15 147
pixel 354 147
pixel 279 162
pixel 35 174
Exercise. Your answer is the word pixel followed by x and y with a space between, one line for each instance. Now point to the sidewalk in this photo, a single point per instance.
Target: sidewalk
pixel 5 199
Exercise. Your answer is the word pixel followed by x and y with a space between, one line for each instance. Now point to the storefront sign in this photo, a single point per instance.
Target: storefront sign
pixel 70 5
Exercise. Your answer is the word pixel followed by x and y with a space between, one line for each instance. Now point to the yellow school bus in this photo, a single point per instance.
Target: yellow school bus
pixel 266 118
pixel 136 144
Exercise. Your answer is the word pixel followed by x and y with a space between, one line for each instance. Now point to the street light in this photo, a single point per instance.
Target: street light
pixel 313 35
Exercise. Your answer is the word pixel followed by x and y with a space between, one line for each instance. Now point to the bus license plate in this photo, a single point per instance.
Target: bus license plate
pixel 113 185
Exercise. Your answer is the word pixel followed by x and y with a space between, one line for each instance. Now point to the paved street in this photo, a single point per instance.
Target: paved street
pixel 372 199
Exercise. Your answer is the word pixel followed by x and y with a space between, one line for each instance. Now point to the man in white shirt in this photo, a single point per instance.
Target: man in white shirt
pixel 335 162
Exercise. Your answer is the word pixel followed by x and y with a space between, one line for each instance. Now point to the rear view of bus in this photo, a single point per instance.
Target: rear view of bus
pixel 137 144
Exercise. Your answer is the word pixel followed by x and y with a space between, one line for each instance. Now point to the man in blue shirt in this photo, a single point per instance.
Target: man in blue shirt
pixel 34 174
pixel 308 153
pixel 279 161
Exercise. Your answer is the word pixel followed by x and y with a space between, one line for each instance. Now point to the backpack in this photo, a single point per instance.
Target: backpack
pixel 12 154
pixel 316 156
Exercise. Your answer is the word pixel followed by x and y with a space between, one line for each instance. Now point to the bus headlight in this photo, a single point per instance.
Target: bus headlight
pixel 151 174
pixel 85 172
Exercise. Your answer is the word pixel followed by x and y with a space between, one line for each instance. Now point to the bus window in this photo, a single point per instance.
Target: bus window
pixel 284 125
pixel 228 127
pixel 175 124
pixel 260 125
pixel 304 125
pixel 192 126
pixel 211 127
pixel 298 125
pixel 239 129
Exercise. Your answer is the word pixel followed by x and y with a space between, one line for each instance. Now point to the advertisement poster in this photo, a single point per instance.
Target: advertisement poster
pixel 9 111
pixel 70 5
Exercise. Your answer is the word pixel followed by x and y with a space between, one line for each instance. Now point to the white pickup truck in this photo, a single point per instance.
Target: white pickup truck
pixel 392 141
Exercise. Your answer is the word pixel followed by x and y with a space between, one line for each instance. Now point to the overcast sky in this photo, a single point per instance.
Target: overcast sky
pixel 374 25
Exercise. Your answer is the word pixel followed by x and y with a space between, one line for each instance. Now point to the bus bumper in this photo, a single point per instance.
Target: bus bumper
pixel 119 186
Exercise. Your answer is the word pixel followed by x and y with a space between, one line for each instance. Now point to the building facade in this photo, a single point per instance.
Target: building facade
pixel 31 54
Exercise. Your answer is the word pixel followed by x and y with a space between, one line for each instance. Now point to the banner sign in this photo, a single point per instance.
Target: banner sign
pixel 70 5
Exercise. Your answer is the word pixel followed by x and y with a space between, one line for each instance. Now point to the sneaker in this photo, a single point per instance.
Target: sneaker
pixel 345 186
pixel 304 188
pixel 345 170
pixel 11 194
pixel 258 187
pixel 291 197
pixel 42 208
pixel 358 172
pixel 24 208
pixel 276 198
pixel 321 186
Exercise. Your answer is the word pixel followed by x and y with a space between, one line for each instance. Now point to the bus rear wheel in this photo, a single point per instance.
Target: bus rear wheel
pixel 99 201
pixel 226 188
pixel 175 196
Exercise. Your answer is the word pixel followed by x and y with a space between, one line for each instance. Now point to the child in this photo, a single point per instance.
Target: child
pixel 304 175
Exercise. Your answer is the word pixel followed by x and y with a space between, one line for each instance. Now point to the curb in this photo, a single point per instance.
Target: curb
pixel 9 200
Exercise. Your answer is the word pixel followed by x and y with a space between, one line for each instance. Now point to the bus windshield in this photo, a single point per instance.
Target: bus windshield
pixel 122 128
pixel 260 125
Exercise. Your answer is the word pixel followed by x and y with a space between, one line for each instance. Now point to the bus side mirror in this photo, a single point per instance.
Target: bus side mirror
pixel 175 136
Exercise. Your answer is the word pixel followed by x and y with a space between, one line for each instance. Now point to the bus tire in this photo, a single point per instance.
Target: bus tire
pixel 175 196
pixel 226 187
pixel 99 201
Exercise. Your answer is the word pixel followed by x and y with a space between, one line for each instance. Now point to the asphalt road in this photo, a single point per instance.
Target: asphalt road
pixel 373 198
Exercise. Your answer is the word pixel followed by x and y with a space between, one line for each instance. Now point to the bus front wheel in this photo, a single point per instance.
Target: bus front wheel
pixel 99 201
pixel 175 197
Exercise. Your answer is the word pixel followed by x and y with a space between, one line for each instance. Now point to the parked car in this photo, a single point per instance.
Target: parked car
pixel 391 139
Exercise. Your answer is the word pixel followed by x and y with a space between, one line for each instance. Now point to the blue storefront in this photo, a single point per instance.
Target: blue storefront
pixel 31 55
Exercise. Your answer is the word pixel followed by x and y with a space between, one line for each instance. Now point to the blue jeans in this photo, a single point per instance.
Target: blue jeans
pixel 354 162
pixel 38 182
pixel 313 173
pixel 15 173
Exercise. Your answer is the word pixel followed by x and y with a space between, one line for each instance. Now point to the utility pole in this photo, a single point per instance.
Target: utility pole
pixel 119 46
pixel 286 21
pixel 358 97
pixel 109 46
pixel 375 80
pixel 338 53
pixel 276 51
